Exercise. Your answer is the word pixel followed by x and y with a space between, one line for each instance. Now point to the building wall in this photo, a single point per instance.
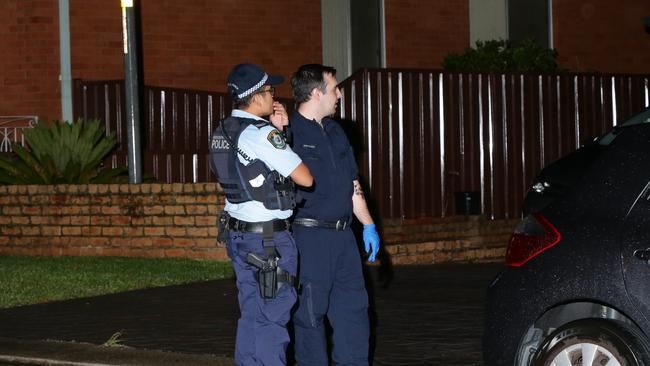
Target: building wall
pixel 186 44
pixel 419 33
pixel 602 35
pixel 193 43
pixel 29 66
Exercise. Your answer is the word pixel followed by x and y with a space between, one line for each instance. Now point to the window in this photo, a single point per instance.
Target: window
pixel 529 19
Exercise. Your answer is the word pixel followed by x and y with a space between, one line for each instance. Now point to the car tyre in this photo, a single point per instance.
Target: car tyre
pixel 598 339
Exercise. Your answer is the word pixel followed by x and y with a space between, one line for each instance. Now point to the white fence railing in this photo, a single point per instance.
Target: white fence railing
pixel 11 130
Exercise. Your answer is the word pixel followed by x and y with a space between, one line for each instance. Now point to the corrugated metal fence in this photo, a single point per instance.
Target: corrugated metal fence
pixel 421 135
pixel 176 126
pixel 428 134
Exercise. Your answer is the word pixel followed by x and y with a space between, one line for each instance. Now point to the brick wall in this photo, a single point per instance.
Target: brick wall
pixel 420 33
pixel 449 239
pixel 151 220
pixel 187 44
pixel 179 220
pixel 29 66
pixel 602 35
pixel 193 43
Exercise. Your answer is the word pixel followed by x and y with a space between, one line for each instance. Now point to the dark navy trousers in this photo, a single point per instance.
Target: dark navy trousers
pixel 262 336
pixel 332 285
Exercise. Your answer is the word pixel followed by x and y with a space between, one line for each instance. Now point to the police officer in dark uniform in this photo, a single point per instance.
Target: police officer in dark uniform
pixel 330 272
pixel 257 170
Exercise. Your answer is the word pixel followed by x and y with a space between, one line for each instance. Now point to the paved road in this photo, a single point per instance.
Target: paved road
pixel 421 315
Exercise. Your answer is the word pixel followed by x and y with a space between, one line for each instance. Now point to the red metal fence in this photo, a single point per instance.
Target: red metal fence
pixel 422 135
pixel 176 126
pixel 428 134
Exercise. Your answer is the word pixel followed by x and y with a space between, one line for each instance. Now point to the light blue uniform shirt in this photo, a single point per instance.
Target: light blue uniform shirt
pixel 256 143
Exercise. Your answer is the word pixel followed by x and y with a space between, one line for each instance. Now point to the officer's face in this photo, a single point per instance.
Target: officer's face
pixel 265 99
pixel 331 96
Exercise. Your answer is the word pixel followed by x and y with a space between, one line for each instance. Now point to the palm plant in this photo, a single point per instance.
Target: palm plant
pixel 61 153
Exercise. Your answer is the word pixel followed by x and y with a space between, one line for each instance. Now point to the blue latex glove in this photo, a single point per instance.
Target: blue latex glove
pixel 371 239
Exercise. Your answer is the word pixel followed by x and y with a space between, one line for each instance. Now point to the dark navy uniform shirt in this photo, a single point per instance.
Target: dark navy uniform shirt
pixel 328 155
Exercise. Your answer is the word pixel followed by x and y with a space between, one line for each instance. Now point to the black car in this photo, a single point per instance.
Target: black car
pixel 576 287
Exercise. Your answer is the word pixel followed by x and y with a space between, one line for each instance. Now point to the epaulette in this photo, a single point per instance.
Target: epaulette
pixel 260 124
pixel 248 121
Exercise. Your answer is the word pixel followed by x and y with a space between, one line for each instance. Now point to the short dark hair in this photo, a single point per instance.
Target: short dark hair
pixel 243 102
pixel 238 103
pixel 307 78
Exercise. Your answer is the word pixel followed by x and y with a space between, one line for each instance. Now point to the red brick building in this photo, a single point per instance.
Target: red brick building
pixel 600 35
pixel 193 43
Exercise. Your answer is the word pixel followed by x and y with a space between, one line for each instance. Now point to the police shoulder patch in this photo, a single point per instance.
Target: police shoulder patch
pixel 276 139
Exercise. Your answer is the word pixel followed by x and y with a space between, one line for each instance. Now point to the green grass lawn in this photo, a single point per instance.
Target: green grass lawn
pixel 29 280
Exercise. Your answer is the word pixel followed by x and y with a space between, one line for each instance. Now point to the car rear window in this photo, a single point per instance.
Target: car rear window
pixel 637 119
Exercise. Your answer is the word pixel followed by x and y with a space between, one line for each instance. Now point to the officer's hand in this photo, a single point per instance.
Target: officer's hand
pixel 279 118
pixel 371 239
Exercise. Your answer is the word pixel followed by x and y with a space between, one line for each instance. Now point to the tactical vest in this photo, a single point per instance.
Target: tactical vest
pixel 252 182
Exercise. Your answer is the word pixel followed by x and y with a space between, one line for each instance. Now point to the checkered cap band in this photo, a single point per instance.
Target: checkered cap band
pixel 253 88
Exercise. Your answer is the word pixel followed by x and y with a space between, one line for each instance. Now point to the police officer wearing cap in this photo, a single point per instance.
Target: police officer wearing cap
pixel 257 170
pixel 331 278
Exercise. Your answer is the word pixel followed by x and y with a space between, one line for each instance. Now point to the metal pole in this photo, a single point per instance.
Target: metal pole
pixel 132 90
pixel 64 46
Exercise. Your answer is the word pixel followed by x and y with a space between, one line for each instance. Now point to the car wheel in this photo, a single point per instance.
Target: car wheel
pixel 591 342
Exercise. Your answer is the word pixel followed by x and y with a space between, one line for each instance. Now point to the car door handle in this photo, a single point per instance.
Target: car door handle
pixel 642 254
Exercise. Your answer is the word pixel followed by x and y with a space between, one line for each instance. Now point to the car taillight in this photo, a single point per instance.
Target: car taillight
pixel 533 235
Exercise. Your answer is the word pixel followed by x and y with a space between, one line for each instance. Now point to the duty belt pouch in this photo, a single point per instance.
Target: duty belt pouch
pixel 222 227
pixel 279 192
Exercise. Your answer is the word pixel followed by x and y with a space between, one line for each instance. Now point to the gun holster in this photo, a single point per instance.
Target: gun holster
pixel 269 276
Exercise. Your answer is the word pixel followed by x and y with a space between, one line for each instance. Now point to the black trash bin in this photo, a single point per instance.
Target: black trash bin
pixel 468 203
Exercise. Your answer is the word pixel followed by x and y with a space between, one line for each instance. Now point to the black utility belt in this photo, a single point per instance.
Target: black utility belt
pixel 338 225
pixel 257 227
